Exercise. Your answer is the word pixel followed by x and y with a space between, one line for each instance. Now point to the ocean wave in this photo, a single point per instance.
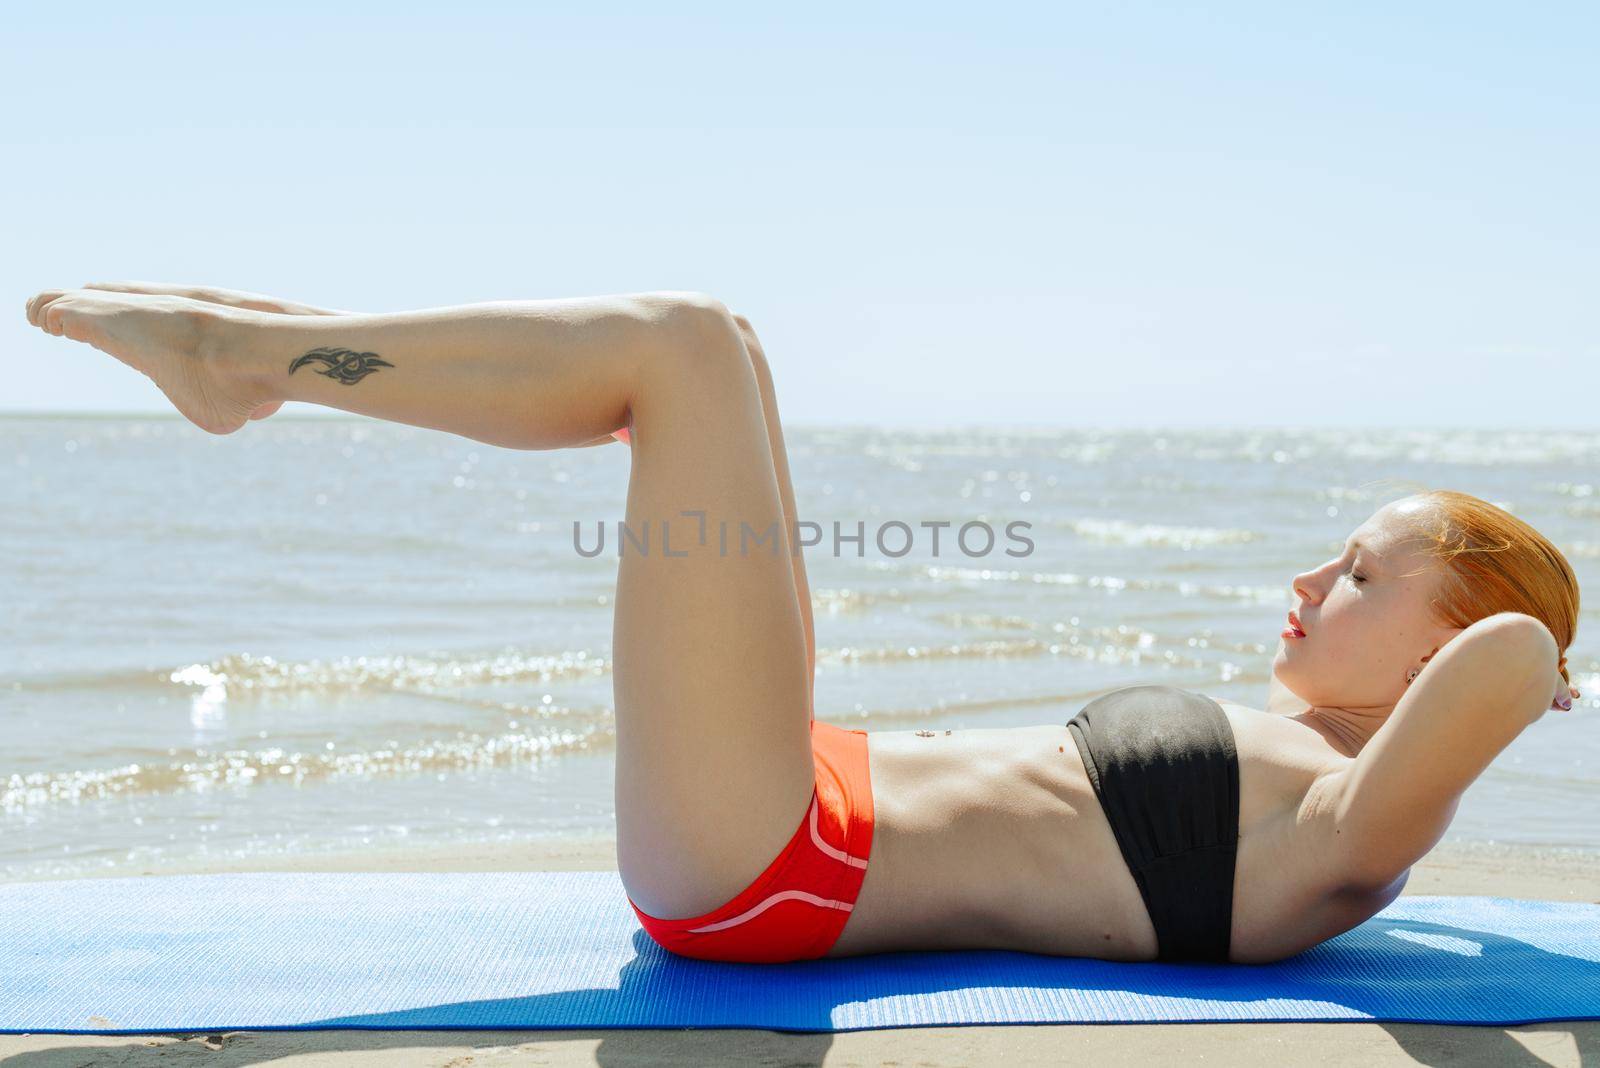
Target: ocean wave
pixel 241 768
pixel 243 673
pixel 1124 532
pixel 1276 594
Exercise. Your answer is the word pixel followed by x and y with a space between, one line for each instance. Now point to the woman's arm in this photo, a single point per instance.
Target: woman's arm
pixel 1395 800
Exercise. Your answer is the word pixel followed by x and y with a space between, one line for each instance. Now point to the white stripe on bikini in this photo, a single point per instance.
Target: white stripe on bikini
pixel 794 895
pixel 786 895
pixel 836 854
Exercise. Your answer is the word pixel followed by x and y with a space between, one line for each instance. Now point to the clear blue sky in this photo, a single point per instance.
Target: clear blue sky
pixel 1079 214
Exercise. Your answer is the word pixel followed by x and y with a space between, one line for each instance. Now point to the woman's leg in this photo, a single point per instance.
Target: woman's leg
pixel 714 761
pixel 537 374
pixel 758 358
pixel 780 457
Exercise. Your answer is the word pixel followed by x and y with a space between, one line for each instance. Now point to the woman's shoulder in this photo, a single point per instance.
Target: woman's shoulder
pixel 1266 735
pixel 1283 763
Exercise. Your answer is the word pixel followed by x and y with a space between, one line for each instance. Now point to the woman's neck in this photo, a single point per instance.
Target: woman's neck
pixel 1346 729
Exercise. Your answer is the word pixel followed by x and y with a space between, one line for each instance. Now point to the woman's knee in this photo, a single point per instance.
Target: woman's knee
pixel 706 352
pixel 757 354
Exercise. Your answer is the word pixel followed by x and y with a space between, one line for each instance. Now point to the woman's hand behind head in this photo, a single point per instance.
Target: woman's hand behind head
pixel 1565 694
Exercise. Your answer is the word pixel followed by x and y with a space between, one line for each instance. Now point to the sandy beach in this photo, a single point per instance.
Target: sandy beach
pixel 1460 869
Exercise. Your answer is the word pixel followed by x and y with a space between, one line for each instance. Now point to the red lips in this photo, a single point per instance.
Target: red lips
pixel 1294 621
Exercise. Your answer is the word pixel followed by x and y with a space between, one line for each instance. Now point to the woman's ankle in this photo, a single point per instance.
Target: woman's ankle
pixel 238 343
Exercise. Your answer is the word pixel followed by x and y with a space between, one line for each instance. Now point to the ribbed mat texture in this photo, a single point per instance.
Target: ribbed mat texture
pixel 459 950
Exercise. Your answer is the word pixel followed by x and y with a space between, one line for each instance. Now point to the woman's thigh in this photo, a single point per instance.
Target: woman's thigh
pixel 714 760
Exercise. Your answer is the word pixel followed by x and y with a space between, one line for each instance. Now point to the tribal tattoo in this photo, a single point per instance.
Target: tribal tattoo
pixel 343 365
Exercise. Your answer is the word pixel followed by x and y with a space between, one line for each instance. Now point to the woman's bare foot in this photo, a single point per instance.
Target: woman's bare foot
pixel 232 298
pixel 193 350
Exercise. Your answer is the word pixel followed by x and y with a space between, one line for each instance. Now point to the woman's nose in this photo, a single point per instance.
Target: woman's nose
pixel 1306 588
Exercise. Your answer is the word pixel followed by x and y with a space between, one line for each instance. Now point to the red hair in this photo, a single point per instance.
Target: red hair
pixel 1495 562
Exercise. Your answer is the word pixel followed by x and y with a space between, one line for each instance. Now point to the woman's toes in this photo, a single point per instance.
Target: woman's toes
pixel 48 313
pixel 42 304
pixel 39 301
pixel 59 320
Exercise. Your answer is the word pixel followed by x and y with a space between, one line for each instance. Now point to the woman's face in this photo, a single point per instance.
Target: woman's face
pixel 1365 617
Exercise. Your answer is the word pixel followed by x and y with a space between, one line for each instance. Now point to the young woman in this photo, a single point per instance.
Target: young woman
pixel 1157 824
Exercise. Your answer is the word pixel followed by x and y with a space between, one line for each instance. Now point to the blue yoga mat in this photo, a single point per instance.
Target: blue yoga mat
pixel 458 950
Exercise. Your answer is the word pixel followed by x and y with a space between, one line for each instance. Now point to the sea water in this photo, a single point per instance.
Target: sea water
pixel 322 634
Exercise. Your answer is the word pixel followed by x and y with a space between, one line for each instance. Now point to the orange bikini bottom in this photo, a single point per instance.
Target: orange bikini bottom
pixel 796 908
